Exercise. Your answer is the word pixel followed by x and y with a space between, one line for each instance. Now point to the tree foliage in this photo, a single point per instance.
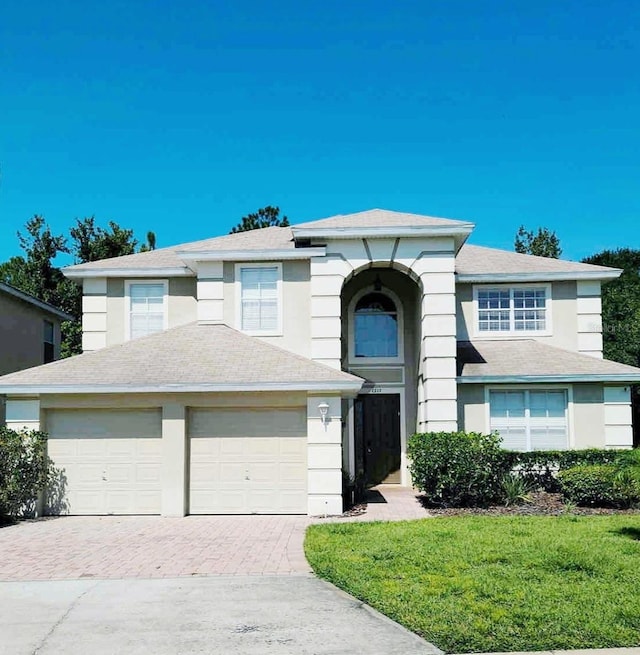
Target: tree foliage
pixel 265 217
pixel 621 305
pixel 543 243
pixel 36 273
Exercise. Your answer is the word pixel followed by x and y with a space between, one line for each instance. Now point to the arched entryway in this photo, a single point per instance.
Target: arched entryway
pixel 380 343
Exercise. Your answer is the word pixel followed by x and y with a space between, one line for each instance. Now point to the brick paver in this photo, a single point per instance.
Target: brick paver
pixel 104 547
pixel 152 547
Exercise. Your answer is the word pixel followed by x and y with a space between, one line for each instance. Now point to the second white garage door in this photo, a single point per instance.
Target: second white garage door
pixel 248 461
pixel 111 460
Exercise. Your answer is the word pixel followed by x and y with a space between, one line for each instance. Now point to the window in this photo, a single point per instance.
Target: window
pixel 530 420
pixel 146 308
pixel 375 326
pixel 48 340
pixel 517 310
pixel 260 305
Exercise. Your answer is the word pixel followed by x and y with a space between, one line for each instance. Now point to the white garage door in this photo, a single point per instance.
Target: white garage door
pixel 248 462
pixel 112 460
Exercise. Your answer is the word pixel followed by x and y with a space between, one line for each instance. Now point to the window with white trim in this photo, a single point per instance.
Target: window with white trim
pixel 146 308
pixel 530 420
pixel 375 325
pixel 260 299
pixel 516 309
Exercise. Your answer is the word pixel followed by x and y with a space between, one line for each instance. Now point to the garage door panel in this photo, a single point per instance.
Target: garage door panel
pixel 245 462
pixel 112 459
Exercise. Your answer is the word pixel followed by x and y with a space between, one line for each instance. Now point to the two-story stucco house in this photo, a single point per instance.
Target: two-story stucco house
pixel 245 373
pixel 29 332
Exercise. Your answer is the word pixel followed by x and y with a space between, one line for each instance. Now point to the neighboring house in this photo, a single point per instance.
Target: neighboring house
pixel 29 332
pixel 244 373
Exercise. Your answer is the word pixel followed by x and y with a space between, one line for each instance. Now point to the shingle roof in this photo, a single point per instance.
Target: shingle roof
pixel 510 360
pixel 277 238
pixel 478 260
pixel 380 218
pixel 191 357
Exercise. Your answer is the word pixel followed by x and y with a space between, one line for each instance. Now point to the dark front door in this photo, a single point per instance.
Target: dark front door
pixel 377 437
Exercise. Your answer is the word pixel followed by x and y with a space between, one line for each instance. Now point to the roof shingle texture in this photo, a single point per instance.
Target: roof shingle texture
pixel 478 260
pixel 471 260
pixel 526 357
pixel 380 218
pixel 192 354
pixel 268 238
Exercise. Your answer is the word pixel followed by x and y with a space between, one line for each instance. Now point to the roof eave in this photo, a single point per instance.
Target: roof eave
pixel 462 230
pixel 250 255
pixel 555 276
pixel 40 304
pixel 343 386
pixel 525 379
pixel 74 273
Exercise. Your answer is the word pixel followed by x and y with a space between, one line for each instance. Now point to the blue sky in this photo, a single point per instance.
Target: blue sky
pixel 183 117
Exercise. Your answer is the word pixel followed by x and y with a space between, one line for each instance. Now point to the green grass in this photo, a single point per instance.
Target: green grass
pixel 480 584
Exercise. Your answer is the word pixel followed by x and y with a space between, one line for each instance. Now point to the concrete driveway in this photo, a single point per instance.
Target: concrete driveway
pixel 219 614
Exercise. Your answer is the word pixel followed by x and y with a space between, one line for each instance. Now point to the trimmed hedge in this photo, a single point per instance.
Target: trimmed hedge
pixel 24 470
pixel 540 467
pixel 471 469
pixel 600 485
pixel 458 468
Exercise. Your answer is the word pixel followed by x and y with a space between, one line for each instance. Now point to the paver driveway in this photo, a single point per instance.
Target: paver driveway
pixel 152 547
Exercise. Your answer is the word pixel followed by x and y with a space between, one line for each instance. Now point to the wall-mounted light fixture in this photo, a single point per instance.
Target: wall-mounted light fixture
pixel 323 408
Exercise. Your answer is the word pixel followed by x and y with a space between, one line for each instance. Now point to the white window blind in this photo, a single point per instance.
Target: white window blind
pixel 530 420
pixel 259 299
pixel 512 310
pixel 146 309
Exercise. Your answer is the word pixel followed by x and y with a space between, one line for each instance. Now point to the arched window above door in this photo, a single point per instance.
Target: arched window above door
pixel 375 325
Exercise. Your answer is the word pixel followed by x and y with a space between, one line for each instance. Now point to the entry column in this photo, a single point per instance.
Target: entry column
pixel 324 455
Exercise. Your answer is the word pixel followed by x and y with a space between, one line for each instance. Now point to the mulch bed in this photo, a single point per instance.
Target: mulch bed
pixel 542 504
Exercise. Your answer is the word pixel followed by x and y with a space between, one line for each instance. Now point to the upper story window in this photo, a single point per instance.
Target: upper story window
pixel 48 341
pixel 530 420
pixel 375 327
pixel 146 308
pixel 260 298
pixel 513 310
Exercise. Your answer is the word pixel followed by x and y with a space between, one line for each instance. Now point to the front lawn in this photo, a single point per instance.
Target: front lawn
pixel 481 583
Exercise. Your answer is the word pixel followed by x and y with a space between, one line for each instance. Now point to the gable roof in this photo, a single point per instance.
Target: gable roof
pixel 380 218
pixel 479 264
pixel 527 360
pixel 32 300
pixel 192 357
pixel 268 238
pixel 473 263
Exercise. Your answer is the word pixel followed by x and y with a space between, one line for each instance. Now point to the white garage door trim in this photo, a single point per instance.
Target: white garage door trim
pixel 111 459
pixel 247 461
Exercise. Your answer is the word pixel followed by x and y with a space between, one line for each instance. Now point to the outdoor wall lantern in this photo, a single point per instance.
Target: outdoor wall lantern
pixel 323 408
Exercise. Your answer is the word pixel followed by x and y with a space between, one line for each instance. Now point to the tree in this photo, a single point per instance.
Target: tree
pixel 544 243
pixel 621 305
pixel 36 274
pixel 265 217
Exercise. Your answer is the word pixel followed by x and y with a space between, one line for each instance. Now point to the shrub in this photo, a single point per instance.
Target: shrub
pixel 599 485
pixel 516 490
pixel 24 470
pixel 458 468
pixel 539 468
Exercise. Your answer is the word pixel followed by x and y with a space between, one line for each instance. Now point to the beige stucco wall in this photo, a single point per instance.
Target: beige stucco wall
pixel 564 315
pixel 586 414
pixel 22 334
pixel 183 305
pixel 296 307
